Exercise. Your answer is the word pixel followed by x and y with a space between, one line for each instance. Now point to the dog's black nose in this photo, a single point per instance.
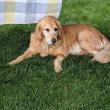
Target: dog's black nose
pixel 54 40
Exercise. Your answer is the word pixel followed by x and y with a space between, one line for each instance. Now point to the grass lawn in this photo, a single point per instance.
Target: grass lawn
pixel 33 84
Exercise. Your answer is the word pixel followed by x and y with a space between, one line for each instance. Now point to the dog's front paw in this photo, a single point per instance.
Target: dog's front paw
pixel 12 63
pixel 43 55
pixel 58 68
pixel 57 64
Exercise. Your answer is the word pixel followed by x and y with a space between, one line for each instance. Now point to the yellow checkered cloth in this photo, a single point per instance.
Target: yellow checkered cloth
pixel 27 11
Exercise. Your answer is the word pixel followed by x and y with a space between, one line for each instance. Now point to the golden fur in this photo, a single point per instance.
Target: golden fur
pixel 50 38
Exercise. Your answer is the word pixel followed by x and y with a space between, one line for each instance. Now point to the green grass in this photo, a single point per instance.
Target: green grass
pixel 33 84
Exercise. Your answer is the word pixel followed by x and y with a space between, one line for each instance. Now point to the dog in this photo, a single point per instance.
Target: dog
pixel 51 38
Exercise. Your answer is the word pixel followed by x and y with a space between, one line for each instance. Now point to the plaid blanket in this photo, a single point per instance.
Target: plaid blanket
pixel 27 11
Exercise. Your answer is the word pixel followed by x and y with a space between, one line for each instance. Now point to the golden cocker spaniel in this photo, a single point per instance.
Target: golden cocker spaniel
pixel 51 38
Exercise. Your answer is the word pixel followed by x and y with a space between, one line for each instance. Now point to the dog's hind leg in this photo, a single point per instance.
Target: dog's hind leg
pixel 103 56
pixel 28 53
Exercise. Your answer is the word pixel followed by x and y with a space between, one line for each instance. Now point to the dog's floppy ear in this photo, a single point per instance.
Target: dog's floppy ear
pixel 38 30
pixel 61 32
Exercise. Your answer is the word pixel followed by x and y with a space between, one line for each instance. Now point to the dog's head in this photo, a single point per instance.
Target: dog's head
pixel 49 29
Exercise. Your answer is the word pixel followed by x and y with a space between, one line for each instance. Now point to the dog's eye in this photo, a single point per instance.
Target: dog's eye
pixel 47 29
pixel 55 29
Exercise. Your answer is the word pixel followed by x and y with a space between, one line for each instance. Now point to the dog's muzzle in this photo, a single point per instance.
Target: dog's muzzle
pixel 54 41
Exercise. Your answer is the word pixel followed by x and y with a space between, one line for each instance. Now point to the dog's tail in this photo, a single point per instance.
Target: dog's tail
pixel 103 56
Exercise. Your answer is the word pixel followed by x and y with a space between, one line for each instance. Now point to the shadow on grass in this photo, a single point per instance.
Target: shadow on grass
pixel 74 66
